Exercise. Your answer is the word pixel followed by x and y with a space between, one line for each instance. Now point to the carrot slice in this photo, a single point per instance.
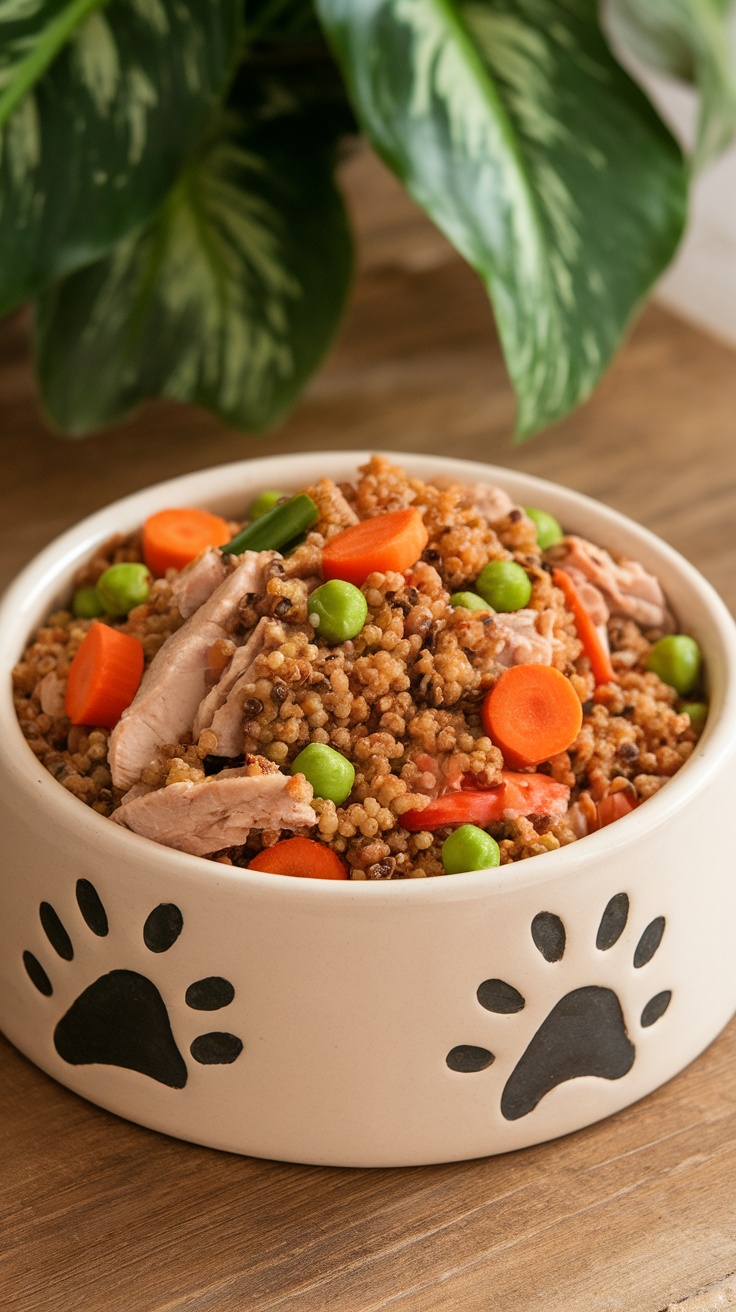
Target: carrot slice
pixel 171 538
pixel 600 660
pixel 103 677
pixel 300 856
pixel 394 541
pixel 613 807
pixel 531 713
pixel 518 794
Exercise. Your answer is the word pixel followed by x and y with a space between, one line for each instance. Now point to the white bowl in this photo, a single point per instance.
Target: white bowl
pixel 349 998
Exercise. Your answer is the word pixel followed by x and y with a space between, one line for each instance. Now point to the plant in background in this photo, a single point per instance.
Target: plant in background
pixel 168 193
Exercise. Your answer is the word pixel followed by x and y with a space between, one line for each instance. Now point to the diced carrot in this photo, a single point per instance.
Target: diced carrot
pixel 394 541
pixel 614 806
pixel 531 713
pixel 518 794
pixel 172 538
pixel 103 677
pixel 595 650
pixel 300 856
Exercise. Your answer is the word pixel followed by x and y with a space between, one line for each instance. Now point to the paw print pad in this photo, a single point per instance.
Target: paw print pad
pixel 584 1033
pixel 121 1019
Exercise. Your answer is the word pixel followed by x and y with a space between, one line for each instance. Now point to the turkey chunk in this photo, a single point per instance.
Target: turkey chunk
pixel 520 641
pixel 223 712
pixel 627 588
pixel 217 813
pixel 176 681
pixel 198 581
pixel 498 641
pixel 493 503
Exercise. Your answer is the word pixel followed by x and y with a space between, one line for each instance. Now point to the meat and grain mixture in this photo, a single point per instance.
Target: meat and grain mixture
pixel 472 686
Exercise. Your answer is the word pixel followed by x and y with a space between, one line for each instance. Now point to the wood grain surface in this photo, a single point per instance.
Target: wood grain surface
pixel 636 1214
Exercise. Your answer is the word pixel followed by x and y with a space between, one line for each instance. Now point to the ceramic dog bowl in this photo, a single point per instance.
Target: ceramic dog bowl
pixel 362 1024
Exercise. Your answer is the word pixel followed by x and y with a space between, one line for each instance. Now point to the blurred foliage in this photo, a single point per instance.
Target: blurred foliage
pixel 168 192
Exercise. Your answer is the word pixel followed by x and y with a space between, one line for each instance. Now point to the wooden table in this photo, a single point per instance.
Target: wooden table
pixel 633 1215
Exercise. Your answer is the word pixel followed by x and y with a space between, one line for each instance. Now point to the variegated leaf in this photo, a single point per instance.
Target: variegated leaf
pixel 229 298
pixel 511 123
pixel 692 40
pixel 99 106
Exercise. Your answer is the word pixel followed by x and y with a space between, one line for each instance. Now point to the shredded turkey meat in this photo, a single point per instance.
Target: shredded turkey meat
pixel 176 681
pixel 217 813
pixel 626 587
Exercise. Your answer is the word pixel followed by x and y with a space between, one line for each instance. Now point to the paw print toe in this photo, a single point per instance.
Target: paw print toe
pixel 37 974
pixel 216 1049
pixel 655 1008
pixel 90 905
pixel 466 1057
pixel 649 942
pixel 613 922
pixel 549 936
pixel 163 927
pixel 55 932
pixel 497 995
pixel 210 994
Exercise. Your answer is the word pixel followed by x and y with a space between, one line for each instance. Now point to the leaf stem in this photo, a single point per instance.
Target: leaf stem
pixel 30 69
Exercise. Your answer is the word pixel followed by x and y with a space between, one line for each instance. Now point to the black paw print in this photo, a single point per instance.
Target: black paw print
pixel 121 1019
pixel 584 1033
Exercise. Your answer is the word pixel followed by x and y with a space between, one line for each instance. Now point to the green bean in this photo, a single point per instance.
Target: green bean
pixel 276 527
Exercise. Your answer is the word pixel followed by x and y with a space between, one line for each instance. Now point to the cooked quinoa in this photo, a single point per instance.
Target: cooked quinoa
pixel 401 701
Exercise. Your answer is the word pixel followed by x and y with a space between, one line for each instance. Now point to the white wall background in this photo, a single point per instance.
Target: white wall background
pixel 701 284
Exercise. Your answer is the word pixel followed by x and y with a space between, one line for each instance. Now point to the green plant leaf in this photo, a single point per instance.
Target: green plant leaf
pixel 689 39
pixel 511 123
pixel 99 106
pixel 229 297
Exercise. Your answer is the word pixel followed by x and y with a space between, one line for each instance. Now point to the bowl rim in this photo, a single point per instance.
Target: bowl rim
pixel 35 589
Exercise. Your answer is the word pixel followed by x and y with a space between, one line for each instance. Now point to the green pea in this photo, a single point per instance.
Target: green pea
pixel 469 600
pixel 677 660
pixel 469 848
pixel 265 502
pixel 337 610
pixel 86 604
pixel 504 584
pixel 695 711
pixel 329 772
pixel 123 586
pixel 549 529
